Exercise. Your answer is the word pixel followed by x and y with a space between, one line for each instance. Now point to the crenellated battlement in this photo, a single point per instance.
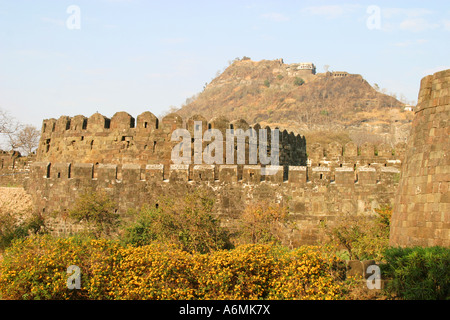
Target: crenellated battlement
pixel 183 173
pixel 366 153
pixel 146 140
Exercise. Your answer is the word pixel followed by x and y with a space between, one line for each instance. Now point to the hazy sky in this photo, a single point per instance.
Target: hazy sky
pixel 78 57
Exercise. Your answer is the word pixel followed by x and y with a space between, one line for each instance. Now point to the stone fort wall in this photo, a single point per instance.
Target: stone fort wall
pixel 336 181
pixel 146 140
pixel 421 216
pixel 14 168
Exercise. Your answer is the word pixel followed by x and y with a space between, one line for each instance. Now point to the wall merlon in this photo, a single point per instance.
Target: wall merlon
pixel 345 176
pixel 273 174
pixel 297 174
pixel 251 174
pixel 60 171
pixel 40 169
pixel 203 172
pixel 179 173
pixel 131 173
pixel 228 173
pixel 154 172
pixel 106 172
pixel 83 171
pixel 78 123
pixel 122 121
pixel 367 175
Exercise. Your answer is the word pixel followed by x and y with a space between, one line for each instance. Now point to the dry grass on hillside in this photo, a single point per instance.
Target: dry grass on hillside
pixel 15 200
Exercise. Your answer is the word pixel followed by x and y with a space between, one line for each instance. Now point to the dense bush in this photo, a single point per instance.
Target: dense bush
pixel 298 81
pixel 360 237
pixel 36 268
pixel 11 228
pixel 418 273
pixel 187 223
pixel 97 210
pixel 263 222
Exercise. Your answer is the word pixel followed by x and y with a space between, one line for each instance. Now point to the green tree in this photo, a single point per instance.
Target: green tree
pixel 418 273
pixel 360 237
pixel 186 222
pixel 97 210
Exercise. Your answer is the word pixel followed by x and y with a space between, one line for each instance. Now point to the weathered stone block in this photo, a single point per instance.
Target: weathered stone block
pixel 179 173
pixel 251 174
pixel 203 172
pixel 273 174
pixel 344 175
pixel 154 172
pixel 228 173
pixel 131 173
pixel 297 174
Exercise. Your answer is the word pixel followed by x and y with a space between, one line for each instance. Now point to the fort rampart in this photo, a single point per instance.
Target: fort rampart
pixel 327 190
pixel 131 161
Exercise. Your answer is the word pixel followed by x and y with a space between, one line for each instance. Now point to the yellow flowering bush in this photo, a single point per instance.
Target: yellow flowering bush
pixel 36 268
pixel 306 274
pixel 241 273
pixel 153 272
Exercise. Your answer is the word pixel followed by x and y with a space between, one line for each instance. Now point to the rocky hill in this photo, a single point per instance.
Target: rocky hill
pixel 292 97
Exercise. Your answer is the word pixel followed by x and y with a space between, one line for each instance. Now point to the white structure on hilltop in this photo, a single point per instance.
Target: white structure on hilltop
pixel 306 66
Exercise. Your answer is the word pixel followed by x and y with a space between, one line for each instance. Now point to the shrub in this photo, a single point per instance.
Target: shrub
pixel 298 81
pixel 36 268
pixel 187 223
pixel 361 237
pixel 97 210
pixel 155 272
pixel 11 228
pixel 267 83
pixel 262 222
pixel 243 273
pixel 418 273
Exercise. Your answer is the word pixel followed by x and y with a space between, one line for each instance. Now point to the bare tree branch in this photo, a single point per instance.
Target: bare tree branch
pixel 27 139
pixel 8 128
pixel 16 136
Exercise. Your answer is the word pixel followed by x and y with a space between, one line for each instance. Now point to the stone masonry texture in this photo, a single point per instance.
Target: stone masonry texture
pixel 421 215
